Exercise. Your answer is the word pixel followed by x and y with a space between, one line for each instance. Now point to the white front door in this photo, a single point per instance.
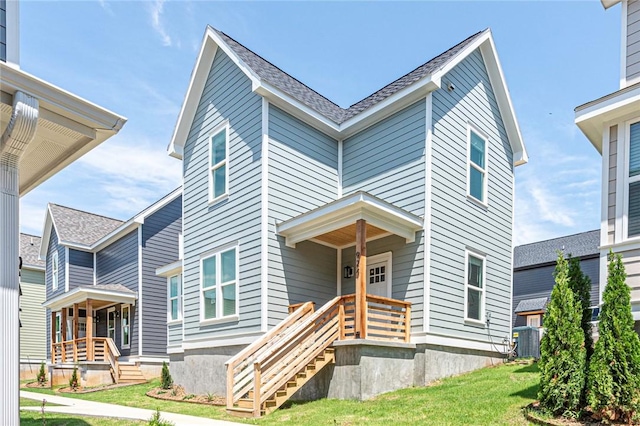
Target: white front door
pixel 379 275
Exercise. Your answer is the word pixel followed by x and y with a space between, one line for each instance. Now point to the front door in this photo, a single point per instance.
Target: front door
pixel 379 275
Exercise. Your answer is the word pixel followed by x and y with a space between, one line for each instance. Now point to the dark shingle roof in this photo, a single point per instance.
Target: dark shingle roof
pixel 80 227
pixel 314 100
pixel 531 305
pixel 30 250
pixel 578 245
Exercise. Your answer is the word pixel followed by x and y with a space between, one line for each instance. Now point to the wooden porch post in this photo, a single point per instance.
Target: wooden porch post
pixel 361 278
pixel 63 332
pixel 89 330
pixel 75 332
pixel 53 337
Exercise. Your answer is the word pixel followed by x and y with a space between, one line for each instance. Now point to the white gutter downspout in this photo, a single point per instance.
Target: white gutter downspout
pixel 18 134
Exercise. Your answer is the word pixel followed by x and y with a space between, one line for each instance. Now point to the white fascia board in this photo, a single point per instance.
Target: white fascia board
pixel 347 211
pixel 46 234
pixel 169 270
pixel 140 217
pixel 592 117
pixel 30 267
pixel 501 91
pixel 81 294
pixel 609 3
pixel 119 232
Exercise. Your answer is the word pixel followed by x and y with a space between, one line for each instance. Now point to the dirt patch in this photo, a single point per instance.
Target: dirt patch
pixel 177 393
pixel 35 385
pixel 94 389
pixel 533 413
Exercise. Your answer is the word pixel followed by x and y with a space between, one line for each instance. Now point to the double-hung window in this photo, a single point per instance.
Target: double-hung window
pixel 125 325
pixel 477 166
pixel 474 287
pixel 219 285
pixel 633 216
pixel 54 270
pixel 175 302
pixel 218 163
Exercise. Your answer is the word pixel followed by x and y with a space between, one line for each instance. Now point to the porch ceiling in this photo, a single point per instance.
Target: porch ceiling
pixel 100 295
pixel 334 223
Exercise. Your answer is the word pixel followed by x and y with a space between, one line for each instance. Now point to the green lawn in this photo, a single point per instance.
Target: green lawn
pixel 34 418
pixel 492 396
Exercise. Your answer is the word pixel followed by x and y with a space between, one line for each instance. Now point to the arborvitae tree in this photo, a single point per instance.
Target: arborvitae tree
pixel 562 352
pixel 74 381
pixel 42 375
pixel 580 284
pixel 613 384
pixel 166 379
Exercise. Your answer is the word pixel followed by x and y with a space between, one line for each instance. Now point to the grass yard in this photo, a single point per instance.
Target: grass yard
pixel 34 418
pixel 492 396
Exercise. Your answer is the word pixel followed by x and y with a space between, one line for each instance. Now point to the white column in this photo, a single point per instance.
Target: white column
pixel 18 134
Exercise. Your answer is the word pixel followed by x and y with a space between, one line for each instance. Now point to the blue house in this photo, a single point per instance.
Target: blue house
pixel 375 240
pixel 106 306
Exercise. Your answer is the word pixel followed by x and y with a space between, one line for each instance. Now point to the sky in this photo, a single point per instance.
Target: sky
pixel 136 57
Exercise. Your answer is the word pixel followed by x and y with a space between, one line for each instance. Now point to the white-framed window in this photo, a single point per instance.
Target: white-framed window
pixel 58 327
pixel 632 130
pixel 477 176
pixel 534 320
pixel 219 163
pixel 125 326
pixel 111 323
pixel 55 270
pixel 474 287
pixel 174 311
pixel 219 285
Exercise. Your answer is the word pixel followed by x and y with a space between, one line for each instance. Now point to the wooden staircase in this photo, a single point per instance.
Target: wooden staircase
pixel 130 373
pixel 268 372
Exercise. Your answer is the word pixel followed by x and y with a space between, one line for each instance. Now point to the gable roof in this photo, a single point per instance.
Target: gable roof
pixel 29 250
pixel 293 96
pixel 80 227
pixel 542 252
pixel 532 305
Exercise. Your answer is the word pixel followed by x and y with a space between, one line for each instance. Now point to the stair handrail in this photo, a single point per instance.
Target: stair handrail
pixel 248 354
pixel 111 354
pixel 319 331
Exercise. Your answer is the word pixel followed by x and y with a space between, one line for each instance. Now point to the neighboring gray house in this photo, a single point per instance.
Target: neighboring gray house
pixel 33 349
pixel 103 296
pixel 396 210
pixel 533 267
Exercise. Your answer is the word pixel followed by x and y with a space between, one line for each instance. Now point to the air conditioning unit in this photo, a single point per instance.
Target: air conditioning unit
pixel 527 341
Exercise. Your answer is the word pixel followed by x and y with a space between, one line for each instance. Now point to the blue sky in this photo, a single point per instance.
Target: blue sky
pixel 136 58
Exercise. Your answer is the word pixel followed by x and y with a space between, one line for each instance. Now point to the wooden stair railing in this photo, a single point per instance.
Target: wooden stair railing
pixel 106 350
pixel 288 362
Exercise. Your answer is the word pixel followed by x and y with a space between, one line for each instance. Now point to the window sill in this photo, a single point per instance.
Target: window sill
pixel 474 322
pixel 474 200
pixel 174 322
pixel 125 347
pixel 218 199
pixel 222 320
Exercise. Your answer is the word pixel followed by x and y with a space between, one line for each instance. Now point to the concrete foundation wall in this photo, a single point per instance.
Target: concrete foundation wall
pixel 90 373
pixel 29 370
pixel 202 371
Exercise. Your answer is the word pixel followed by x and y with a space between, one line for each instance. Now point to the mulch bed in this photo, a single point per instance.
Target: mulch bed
pixel 35 385
pixel 177 393
pixel 94 389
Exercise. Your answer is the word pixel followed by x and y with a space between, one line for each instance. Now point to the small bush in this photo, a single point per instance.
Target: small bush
pixel 157 420
pixel 74 381
pixel 42 375
pixel 167 380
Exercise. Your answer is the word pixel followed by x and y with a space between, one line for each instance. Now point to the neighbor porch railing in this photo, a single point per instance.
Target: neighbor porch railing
pixel 75 350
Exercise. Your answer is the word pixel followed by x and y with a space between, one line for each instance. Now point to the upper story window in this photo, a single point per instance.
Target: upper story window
pixel 219 163
pixel 474 287
pixel 55 269
pixel 477 166
pixel 219 285
pixel 175 298
pixel 633 216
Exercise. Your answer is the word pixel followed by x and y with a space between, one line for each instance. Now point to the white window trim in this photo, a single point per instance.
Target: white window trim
pixel 483 298
pixel 538 317
pixel 224 127
pixel 122 344
pixel 169 298
pixel 55 271
pixel 219 306
pixel 626 141
pixel 58 327
pixel 112 309
pixel 382 257
pixel 485 171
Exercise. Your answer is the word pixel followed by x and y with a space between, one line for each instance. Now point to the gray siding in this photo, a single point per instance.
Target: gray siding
pixel 159 247
pixel 32 316
pixel 303 175
pixel 174 335
pixel 80 268
pixel 533 283
pixel 459 223
pixel 3 30
pixel 613 167
pixel 227 95
pixel 387 159
pixel 633 39
pixel 118 264
pixel 407 279
pixel 53 247
pixel 101 329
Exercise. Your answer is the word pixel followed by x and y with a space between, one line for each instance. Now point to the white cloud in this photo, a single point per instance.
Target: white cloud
pixel 106 6
pixel 157 9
